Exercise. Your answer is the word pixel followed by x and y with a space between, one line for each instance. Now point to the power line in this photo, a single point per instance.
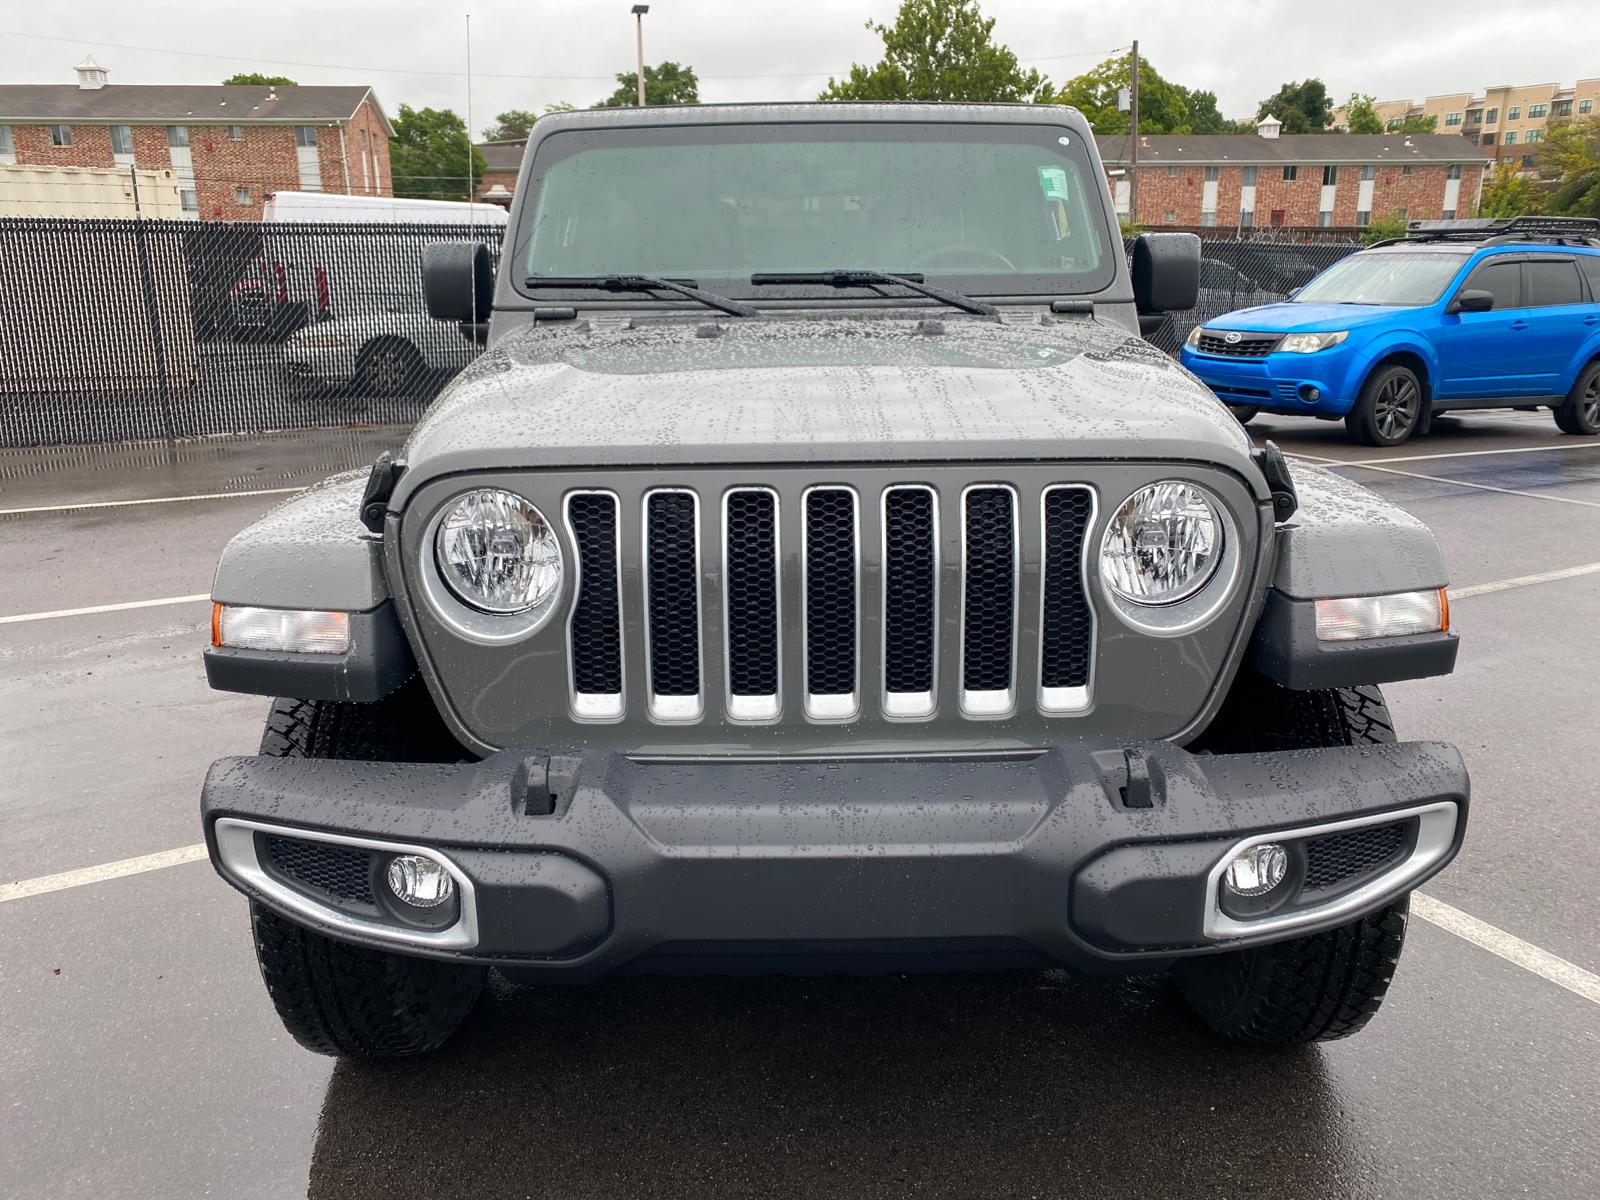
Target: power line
pixel 323 66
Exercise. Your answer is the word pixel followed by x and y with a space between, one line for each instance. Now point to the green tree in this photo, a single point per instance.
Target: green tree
pixel 1302 107
pixel 1417 124
pixel 513 123
pixel 668 83
pixel 428 155
pixel 941 50
pixel 257 79
pixel 1570 155
pixel 1361 114
pixel 1164 107
pixel 1509 193
pixel 1391 225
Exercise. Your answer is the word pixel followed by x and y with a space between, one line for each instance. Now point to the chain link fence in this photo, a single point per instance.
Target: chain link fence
pixel 119 330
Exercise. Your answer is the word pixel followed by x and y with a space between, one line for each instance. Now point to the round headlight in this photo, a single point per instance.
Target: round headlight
pixel 1162 545
pixel 498 553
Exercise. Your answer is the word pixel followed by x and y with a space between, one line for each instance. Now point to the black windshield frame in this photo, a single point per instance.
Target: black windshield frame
pixel 1060 141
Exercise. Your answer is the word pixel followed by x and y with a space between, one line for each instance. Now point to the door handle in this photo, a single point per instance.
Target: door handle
pixel 1519 324
pixel 1592 319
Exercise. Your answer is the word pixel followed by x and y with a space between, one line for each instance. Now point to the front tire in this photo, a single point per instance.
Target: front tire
pixel 389 367
pixel 1308 989
pixel 333 997
pixel 1389 408
pixel 1579 413
pixel 1244 413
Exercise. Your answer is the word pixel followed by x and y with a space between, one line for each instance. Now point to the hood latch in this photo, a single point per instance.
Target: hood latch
pixel 1285 500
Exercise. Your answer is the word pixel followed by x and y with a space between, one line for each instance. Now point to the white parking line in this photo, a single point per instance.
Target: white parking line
pixel 53 508
pixel 1482 487
pixel 1508 946
pixel 105 871
pixel 1367 462
pixel 1506 585
pixel 19 618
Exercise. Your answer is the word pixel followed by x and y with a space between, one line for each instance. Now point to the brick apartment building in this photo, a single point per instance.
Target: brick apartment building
pixel 501 161
pixel 1295 180
pixel 1502 120
pixel 229 146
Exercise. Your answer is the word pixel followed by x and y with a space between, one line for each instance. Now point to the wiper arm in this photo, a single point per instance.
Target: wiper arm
pixel 644 283
pixel 861 278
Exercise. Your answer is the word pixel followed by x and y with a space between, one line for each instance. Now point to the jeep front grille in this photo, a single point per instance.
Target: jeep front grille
pixel 745 612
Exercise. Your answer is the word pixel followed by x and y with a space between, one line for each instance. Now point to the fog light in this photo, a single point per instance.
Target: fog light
pixel 420 881
pixel 1310 394
pixel 1256 871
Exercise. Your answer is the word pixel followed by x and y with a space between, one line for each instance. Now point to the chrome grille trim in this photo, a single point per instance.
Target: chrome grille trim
pixel 752 708
pixel 989 703
pixel 1074 700
pixel 672 708
pixel 595 706
pixel 903 705
pixel 831 706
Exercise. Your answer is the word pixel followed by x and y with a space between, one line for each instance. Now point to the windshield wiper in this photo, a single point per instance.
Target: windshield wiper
pixel 644 283
pixel 860 278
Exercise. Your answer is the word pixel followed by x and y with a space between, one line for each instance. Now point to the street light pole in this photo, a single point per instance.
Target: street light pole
pixel 639 11
pixel 1133 137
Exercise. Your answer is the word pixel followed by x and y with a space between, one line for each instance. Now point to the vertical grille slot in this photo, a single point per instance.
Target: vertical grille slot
pixel 988 600
pixel 832 604
pixel 1066 622
pixel 910 600
pixel 750 569
pixel 672 603
pixel 595 627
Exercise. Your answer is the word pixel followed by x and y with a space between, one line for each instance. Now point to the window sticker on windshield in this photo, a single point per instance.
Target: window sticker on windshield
pixel 1053 181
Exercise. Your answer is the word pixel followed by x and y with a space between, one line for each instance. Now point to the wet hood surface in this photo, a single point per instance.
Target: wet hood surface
pixel 878 389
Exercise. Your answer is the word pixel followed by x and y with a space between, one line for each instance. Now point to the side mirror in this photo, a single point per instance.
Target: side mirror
pixel 1472 300
pixel 1166 272
pixel 458 281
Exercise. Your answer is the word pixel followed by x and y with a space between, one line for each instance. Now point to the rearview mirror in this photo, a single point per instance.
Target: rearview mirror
pixel 1166 272
pixel 458 281
pixel 1472 300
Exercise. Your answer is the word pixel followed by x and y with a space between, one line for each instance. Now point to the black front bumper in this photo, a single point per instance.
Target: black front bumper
pixel 575 866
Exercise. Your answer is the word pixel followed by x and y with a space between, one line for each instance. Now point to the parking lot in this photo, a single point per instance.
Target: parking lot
pixel 141 1055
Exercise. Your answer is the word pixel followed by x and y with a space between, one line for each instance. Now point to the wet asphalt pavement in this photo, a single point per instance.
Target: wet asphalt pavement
pixel 140 1055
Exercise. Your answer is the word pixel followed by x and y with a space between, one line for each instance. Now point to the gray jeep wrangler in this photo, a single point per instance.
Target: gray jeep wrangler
pixel 818 572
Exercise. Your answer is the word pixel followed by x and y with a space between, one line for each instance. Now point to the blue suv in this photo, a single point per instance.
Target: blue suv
pixel 1457 314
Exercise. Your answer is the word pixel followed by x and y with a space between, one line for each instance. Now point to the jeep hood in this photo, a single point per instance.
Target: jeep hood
pixel 666 391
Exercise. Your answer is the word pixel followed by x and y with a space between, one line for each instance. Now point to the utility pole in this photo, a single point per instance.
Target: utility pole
pixel 639 11
pixel 1133 139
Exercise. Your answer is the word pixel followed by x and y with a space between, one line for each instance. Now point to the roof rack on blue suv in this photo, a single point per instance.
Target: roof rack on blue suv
pixel 1500 313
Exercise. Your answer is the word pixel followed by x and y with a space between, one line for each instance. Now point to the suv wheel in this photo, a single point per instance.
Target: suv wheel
pixel 1580 411
pixel 389 368
pixel 1315 988
pixel 333 997
pixel 1244 413
pixel 1389 408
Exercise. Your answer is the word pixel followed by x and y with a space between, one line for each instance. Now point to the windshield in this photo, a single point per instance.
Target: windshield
pixel 1387 278
pixel 1003 209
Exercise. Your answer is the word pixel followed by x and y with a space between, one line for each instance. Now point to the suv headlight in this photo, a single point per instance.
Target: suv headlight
pixel 1163 545
pixel 1310 343
pixel 497 552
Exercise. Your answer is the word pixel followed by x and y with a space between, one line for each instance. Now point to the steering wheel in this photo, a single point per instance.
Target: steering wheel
pixel 950 257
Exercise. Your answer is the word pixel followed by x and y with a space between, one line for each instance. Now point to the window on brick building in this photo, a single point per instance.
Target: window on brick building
pixel 1325 219
pixel 1514 113
pixel 1488 139
pixel 1511 137
pixel 1330 175
pixel 121 139
pixel 1363 218
pixel 1561 108
pixel 1585 107
pixel 1532 136
pixel 305 135
pixel 188 200
pixel 1402 214
pixel 1453 171
pixel 1247 219
pixel 1213 174
pixel 177 136
pixel 1406 170
pixel 1490 117
pixel 1368 173
pixel 1529 160
pixel 1290 173
pixel 1537 110
pixel 1452 118
pixel 1277 217
pixel 241 195
pixel 61 135
pixel 8 148
pixel 1168 217
pixel 236 133
pixel 1247 177
pixel 1449 214
pixel 1208 217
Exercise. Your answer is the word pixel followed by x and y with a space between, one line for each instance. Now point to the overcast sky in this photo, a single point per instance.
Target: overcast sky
pixel 527 53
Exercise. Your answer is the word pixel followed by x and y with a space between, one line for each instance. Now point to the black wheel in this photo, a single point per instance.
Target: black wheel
pixel 1327 985
pixel 1389 408
pixel 390 367
pixel 1580 411
pixel 1244 413
pixel 336 998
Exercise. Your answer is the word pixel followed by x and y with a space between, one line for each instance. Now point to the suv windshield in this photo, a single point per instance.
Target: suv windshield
pixel 1002 208
pixel 1385 278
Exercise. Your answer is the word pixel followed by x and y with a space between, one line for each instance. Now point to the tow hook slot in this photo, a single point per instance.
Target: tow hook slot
pixel 380 486
pixel 1285 501
pixel 1147 782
